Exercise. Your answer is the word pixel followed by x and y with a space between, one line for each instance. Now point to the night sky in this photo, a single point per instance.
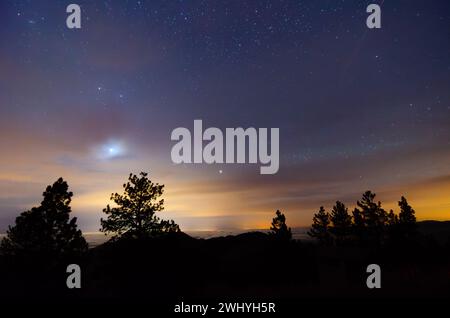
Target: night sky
pixel 357 108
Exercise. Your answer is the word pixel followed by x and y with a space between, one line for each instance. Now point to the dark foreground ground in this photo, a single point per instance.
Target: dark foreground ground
pixel 250 267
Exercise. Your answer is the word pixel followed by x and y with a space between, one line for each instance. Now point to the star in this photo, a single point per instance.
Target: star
pixel 111 150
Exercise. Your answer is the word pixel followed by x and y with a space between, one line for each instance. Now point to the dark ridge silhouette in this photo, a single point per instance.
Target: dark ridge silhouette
pixel 436 230
pixel 152 262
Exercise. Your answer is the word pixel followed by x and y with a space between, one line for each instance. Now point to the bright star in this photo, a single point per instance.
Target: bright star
pixel 110 150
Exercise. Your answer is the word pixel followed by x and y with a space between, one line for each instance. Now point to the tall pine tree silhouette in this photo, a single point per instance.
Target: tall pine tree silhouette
pixel 374 218
pixel 407 225
pixel 320 227
pixel 341 223
pixel 134 216
pixel 46 230
pixel 358 226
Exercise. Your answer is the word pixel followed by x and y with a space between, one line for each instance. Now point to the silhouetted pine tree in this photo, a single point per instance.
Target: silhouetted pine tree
pixel 407 220
pixel 341 223
pixel 358 226
pixel 279 228
pixel 374 218
pixel 407 214
pixel 319 228
pixel 46 230
pixel 392 218
pixel 134 215
pixel 373 215
pixel 392 233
